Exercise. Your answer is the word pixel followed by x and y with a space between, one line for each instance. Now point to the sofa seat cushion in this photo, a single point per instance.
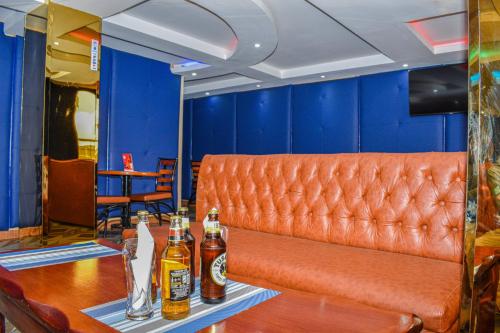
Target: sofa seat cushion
pixel 426 287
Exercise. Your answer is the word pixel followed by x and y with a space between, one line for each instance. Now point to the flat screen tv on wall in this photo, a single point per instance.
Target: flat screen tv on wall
pixel 438 90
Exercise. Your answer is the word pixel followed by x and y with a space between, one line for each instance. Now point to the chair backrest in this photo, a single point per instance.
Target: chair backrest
pixel 166 174
pixel 405 203
pixel 72 191
pixel 195 170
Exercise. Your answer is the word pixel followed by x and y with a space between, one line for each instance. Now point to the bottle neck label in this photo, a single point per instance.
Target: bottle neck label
pixel 212 227
pixel 185 223
pixel 175 234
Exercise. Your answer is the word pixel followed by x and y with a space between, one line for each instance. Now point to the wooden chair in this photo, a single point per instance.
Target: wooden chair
pixel 195 170
pixel 164 189
pixel 106 204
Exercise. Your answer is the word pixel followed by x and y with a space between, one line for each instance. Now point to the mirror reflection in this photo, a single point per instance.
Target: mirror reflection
pixel 71 122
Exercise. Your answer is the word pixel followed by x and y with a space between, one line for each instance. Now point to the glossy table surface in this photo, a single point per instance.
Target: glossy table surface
pixel 127 173
pixel 72 287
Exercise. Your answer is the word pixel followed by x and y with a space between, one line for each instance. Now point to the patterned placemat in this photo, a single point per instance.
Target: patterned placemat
pixel 239 297
pixel 14 261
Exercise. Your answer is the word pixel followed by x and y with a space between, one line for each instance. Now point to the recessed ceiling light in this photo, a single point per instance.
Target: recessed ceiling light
pixel 405 65
pixel 322 76
pixel 258 86
pixel 207 93
pixel 256 45
pixel 194 73
pixel 56 43
pixel 435 91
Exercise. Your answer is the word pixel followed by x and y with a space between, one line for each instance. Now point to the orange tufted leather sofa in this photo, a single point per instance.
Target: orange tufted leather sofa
pixel 381 229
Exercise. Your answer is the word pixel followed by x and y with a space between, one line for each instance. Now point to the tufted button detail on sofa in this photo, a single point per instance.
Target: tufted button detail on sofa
pixel 429 177
pixel 399 223
pixel 458 179
pixel 454 229
pixel 441 203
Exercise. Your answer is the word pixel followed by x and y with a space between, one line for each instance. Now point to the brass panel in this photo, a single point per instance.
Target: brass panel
pixel 71 116
pixel 482 224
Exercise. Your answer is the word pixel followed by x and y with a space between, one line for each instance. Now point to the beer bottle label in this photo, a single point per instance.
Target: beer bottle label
pixel 212 227
pixel 218 269
pixel 185 222
pixel 179 284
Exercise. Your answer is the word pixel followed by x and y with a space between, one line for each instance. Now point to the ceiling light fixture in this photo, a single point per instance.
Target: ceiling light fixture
pixel 322 76
pixel 405 65
pixel 56 43
pixel 194 73
pixel 258 86
pixel 256 45
pixel 207 93
pixel 435 91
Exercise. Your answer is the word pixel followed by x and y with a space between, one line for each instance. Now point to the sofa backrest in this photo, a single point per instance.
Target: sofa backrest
pixel 406 203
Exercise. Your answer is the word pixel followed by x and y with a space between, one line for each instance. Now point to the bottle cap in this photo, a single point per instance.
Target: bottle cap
pixel 183 209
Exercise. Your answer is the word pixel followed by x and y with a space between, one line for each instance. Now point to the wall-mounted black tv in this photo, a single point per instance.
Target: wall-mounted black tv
pixel 438 90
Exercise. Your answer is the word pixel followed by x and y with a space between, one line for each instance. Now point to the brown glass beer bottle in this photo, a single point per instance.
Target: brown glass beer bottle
pixel 188 239
pixel 213 262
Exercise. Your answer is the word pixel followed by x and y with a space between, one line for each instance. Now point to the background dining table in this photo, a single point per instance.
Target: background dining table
pixel 126 179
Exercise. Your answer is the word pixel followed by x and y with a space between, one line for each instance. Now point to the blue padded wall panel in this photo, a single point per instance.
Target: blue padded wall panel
pixel 456 132
pixel 214 126
pixel 386 125
pixel 186 150
pixel 325 118
pixel 263 121
pixel 142 106
pixel 10 107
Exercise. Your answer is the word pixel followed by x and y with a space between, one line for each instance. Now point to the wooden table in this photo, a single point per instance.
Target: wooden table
pixel 75 286
pixel 126 177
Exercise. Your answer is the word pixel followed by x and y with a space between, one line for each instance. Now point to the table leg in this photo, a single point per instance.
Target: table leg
pixel 126 190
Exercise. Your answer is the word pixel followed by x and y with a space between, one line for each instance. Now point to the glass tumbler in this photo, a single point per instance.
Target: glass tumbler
pixel 139 302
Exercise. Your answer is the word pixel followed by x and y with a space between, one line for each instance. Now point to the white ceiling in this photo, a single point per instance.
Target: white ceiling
pixel 300 40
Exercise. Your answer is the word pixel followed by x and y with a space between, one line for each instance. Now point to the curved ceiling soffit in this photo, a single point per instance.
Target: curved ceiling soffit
pixel 256 25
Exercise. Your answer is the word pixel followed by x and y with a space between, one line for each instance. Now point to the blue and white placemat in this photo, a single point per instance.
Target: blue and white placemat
pixel 14 261
pixel 239 297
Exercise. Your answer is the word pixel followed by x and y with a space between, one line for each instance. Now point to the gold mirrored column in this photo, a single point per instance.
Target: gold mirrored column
pixel 71 122
pixel 482 237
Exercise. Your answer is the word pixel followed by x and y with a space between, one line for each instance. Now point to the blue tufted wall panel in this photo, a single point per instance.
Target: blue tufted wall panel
pixel 10 115
pixel 214 126
pixel 325 117
pixel 456 132
pixel 139 114
pixel 386 125
pixel 263 121
pixel 186 149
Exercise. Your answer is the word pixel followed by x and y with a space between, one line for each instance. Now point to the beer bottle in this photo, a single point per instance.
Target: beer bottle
pixel 142 215
pixel 213 262
pixel 189 239
pixel 175 271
